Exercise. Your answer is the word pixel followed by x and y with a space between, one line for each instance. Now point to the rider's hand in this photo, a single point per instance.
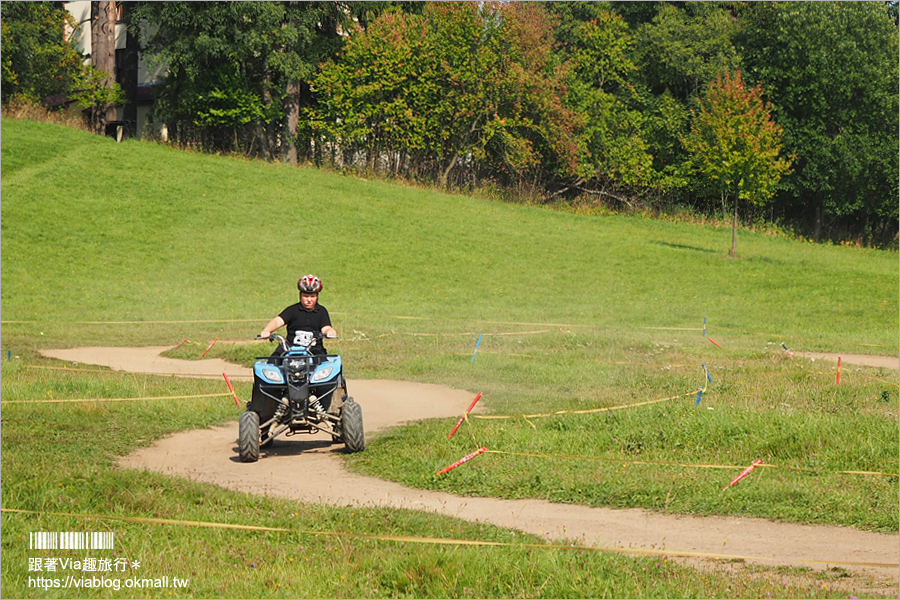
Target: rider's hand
pixel 264 335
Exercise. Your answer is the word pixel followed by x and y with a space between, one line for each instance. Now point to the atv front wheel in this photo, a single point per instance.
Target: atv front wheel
pixel 352 426
pixel 248 436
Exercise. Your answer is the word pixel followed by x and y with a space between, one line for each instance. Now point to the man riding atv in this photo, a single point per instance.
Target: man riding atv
pixel 300 388
pixel 306 315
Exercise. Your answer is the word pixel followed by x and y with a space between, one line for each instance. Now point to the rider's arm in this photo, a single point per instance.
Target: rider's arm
pixel 271 326
pixel 328 331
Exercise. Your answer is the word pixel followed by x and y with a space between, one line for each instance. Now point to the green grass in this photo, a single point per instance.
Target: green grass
pixel 139 244
pixel 61 459
pixel 789 413
pixel 137 231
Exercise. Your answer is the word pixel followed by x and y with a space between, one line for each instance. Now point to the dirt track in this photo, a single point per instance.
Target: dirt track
pixel 210 456
pixel 863 360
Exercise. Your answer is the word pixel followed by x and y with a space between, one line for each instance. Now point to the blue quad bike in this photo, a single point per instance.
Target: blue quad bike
pixel 299 392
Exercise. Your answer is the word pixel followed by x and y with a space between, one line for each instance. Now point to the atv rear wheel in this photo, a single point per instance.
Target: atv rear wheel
pixel 248 436
pixel 352 426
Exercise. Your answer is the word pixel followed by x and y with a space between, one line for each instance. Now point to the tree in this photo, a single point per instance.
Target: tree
pixel 92 90
pixel 371 95
pixel 236 70
pixel 462 84
pixel 831 72
pixel 685 46
pixel 532 136
pixel 735 144
pixel 615 151
pixel 41 63
pixel 103 58
pixel 679 48
pixel 39 56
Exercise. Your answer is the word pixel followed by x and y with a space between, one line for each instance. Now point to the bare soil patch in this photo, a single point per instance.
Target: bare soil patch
pixel 863 360
pixel 869 560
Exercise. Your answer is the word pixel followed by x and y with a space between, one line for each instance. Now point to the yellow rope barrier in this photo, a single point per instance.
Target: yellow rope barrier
pixel 139 322
pixel 550 357
pixel 466 333
pixel 867 376
pixel 149 374
pixel 855 372
pixel 55 401
pixel 584 411
pixel 411 318
pixel 74 369
pixel 439 541
pixel 689 465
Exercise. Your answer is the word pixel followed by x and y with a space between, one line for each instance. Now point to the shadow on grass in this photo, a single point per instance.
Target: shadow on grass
pixel 685 247
pixel 726 255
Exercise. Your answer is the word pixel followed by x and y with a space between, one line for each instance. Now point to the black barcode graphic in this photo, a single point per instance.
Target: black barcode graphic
pixel 71 540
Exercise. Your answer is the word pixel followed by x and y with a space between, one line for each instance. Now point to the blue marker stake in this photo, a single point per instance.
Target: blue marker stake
pixel 706 371
pixel 8 355
pixel 478 343
pixel 704 326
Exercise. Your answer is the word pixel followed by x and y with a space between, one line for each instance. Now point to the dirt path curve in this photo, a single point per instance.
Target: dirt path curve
pixel 210 455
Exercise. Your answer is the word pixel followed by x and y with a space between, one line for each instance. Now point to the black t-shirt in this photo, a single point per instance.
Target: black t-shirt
pixel 296 318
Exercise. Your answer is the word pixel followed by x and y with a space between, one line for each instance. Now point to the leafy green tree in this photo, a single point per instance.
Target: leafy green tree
pixel 39 56
pixel 215 82
pixel 528 87
pixel 462 88
pixel 236 70
pixel 93 90
pixel 366 97
pixel 616 154
pixel 735 144
pixel 831 71
pixel 685 46
pixel 41 62
pixel 678 48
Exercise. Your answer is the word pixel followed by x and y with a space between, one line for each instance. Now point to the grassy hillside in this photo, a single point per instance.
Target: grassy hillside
pixel 136 243
pixel 142 232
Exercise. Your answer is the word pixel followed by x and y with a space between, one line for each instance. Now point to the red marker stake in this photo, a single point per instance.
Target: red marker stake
pixel 744 474
pixel 465 414
pixel 465 459
pixel 713 341
pixel 233 395
pixel 839 372
pixel 208 347
pixel 181 344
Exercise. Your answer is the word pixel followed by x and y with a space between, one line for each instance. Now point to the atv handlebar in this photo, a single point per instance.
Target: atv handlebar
pixel 274 337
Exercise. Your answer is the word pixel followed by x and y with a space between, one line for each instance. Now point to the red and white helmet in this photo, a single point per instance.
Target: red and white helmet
pixel 309 284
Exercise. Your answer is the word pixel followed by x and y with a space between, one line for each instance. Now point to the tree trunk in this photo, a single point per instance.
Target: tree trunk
pixel 817 226
pixel 267 141
pixel 103 56
pixel 292 121
pixel 444 177
pixel 734 225
pixel 129 71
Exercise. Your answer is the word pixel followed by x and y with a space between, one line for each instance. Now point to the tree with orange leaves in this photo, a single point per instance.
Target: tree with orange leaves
pixel 735 145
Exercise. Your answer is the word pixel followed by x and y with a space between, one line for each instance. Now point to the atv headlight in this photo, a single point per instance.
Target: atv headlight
pixel 272 374
pixel 323 374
